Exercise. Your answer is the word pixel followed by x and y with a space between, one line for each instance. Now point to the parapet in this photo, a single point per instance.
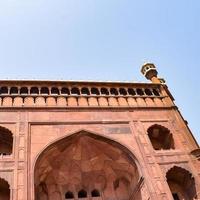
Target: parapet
pixel 34 94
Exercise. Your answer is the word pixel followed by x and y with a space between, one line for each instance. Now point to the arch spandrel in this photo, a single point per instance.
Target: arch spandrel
pixel 88 161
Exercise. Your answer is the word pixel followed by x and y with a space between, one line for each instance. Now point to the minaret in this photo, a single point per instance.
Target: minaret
pixel 150 72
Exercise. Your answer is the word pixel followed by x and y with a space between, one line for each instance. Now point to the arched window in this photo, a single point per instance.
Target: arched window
pixel 95 193
pixel 122 91
pixel 113 91
pixel 4 90
pixel 140 92
pixel 131 91
pixel 44 90
pixel 148 92
pixel 95 91
pixel 181 184
pixel 104 91
pixel 75 91
pixel 82 194
pixel 4 190
pixel 34 90
pixel 6 141
pixel 69 195
pixel 160 137
pixel 13 90
pixel 85 91
pixel 155 92
pixel 54 90
pixel 65 90
pixel 24 90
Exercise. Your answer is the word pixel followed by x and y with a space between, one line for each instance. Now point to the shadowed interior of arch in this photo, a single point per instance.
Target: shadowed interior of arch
pixel 4 190
pixel 181 183
pixel 160 137
pixel 6 141
pixel 84 160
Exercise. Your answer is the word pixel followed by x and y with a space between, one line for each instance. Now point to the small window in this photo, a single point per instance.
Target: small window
pixel 95 193
pixel 34 90
pixel 113 91
pixel 13 90
pixel 104 91
pixel 65 90
pixel 85 91
pixel 75 91
pixel 82 194
pixel 140 92
pixel 148 92
pixel 44 90
pixel 95 91
pixel 24 90
pixel 131 91
pixel 122 91
pixel 4 90
pixel 69 195
pixel 55 91
pixel 155 92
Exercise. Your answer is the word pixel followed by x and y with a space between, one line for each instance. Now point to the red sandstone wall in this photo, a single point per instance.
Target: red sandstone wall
pixel 34 130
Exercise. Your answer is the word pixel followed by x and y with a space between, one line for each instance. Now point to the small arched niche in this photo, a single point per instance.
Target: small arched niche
pixel 181 184
pixel 75 91
pixel 85 91
pixel 69 195
pixel 34 90
pixel 104 91
pixel 44 90
pixel 4 190
pixel 4 90
pixel 13 90
pixel 95 193
pixel 160 137
pixel 113 91
pixel 65 91
pixel 55 91
pixel 95 91
pixel 82 194
pixel 24 90
pixel 6 141
pixel 89 162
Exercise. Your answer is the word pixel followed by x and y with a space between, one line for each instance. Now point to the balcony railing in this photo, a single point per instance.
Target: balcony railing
pixel 135 95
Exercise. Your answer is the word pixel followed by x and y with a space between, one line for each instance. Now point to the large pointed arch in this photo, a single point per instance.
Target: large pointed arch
pixel 85 161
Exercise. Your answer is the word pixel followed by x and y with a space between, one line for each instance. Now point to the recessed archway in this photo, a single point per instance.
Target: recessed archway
pixel 181 184
pixel 4 190
pixel 6 141
pixel 86 162
pixel 160 137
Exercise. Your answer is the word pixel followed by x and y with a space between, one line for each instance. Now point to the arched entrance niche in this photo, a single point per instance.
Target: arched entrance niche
pixel 160 137
pixel 181 184
pixel 4 190
pixel 6 141
pixel 86 166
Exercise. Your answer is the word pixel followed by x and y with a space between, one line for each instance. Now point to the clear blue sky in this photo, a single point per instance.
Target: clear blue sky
pixel 105 40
